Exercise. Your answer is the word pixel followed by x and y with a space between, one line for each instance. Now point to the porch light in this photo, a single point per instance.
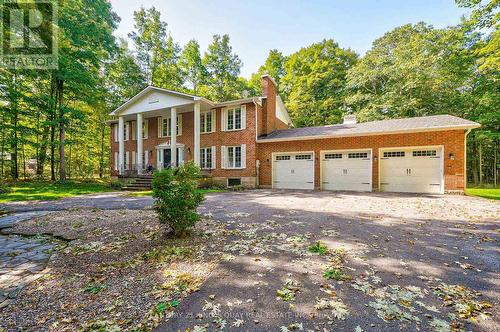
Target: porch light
pixel 452 156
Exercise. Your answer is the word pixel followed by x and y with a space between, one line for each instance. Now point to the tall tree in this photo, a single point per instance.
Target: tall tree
pixel 85 38
pixel 273 66
pixel 223 67
pixel 157 52
pixel 485 16
pixel 150 39
pixel 192 66
pixel 414 70
pixel 314 83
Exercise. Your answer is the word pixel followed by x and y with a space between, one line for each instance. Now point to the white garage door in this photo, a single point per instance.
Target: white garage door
pixel 346 170
pixel 415 170
pixel 293 171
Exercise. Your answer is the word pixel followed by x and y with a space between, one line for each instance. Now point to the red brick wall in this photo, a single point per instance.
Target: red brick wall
pixel 453 142
pixel 270 121
pixel 218 138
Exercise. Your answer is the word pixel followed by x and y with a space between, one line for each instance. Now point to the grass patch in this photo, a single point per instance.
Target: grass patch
pixel 150 192
pixel 318 248
pixel 29 191
pixel 491 193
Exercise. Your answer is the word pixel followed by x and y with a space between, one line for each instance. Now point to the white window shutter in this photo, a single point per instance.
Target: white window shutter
pixel 115 131
pixel 214 157
pixel 134 159
pixel 223 119
pixel 160 124
pixel 223 153
pixel 243 156
pixel 179 121
pixel 116 161
pixel 145 158
pixel 214 121
pixel 127 130
pixel 243 116
pixel 145 132
pixel 126 160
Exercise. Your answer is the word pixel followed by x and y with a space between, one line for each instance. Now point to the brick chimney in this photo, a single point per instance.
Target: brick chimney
pixel 269 90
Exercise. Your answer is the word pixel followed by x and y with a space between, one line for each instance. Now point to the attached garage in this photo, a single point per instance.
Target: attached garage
pixel 293 170
pixel 412 170
pixel 346 170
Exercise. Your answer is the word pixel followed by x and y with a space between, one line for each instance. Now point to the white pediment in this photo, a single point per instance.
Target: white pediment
pixel 151 99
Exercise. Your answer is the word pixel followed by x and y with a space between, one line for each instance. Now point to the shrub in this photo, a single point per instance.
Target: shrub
pixel 177 197
pixel 116 184
pixel 4 188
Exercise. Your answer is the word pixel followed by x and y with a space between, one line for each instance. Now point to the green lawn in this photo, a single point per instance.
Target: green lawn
pixel 484 192
pixel 28 191
pixel 150 192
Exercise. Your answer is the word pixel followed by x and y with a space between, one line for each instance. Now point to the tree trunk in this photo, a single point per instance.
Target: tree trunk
pixel 495 171
pixel 475 173
pixel 62 156
pixel 23 151
pixel 42 152
pixel 101 161
pixel 14 147
pixel 3 145
pixel 53 96
pixel 480 164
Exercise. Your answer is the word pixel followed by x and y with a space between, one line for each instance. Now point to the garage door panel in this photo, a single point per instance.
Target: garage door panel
pixel 344 173
pixel 418 171
pixel 292 172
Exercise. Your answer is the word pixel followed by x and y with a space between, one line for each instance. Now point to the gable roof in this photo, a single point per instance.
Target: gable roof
pixel 154 88
pixel 418 124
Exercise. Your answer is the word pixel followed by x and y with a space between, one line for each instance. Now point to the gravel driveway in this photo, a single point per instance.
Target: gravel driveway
pixel 401 262
pixel 385 262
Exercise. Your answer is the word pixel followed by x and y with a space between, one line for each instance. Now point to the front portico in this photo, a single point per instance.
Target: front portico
pixel 164 155
pixel 168 108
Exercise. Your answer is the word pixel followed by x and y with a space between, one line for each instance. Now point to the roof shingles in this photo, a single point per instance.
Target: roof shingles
pixel 424 123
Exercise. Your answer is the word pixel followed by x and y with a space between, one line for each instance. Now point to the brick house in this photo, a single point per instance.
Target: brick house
pixel 251 142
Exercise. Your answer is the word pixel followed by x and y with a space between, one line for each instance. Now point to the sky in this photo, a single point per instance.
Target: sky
pixel 257 26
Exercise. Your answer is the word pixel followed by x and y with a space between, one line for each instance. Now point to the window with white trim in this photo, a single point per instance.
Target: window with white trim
pixel 234 157
pixel 126 131
pixel 358 155
pixel 392 154
pixel 234 119
pixel 207 121
pixel 145 128
pixel 206 158
pixel 282 157
pixel 424 153
pixel 164 127
pixel 303 157
pixel 333 155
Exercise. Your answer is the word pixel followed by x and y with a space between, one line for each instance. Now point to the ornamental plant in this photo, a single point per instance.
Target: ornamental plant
pixel 177 197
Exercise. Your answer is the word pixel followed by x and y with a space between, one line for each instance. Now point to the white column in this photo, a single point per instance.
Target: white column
pixel 197 133
pixel 173 137
pixel 140 150
pixel 121 145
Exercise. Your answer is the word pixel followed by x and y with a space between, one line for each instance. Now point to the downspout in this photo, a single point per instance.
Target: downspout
pixel 465 157
pixel 257 162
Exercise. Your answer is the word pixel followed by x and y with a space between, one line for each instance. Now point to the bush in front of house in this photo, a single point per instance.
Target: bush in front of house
pixel 177 197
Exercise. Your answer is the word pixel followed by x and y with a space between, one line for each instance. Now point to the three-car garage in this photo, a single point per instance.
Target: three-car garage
pixel 400 169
